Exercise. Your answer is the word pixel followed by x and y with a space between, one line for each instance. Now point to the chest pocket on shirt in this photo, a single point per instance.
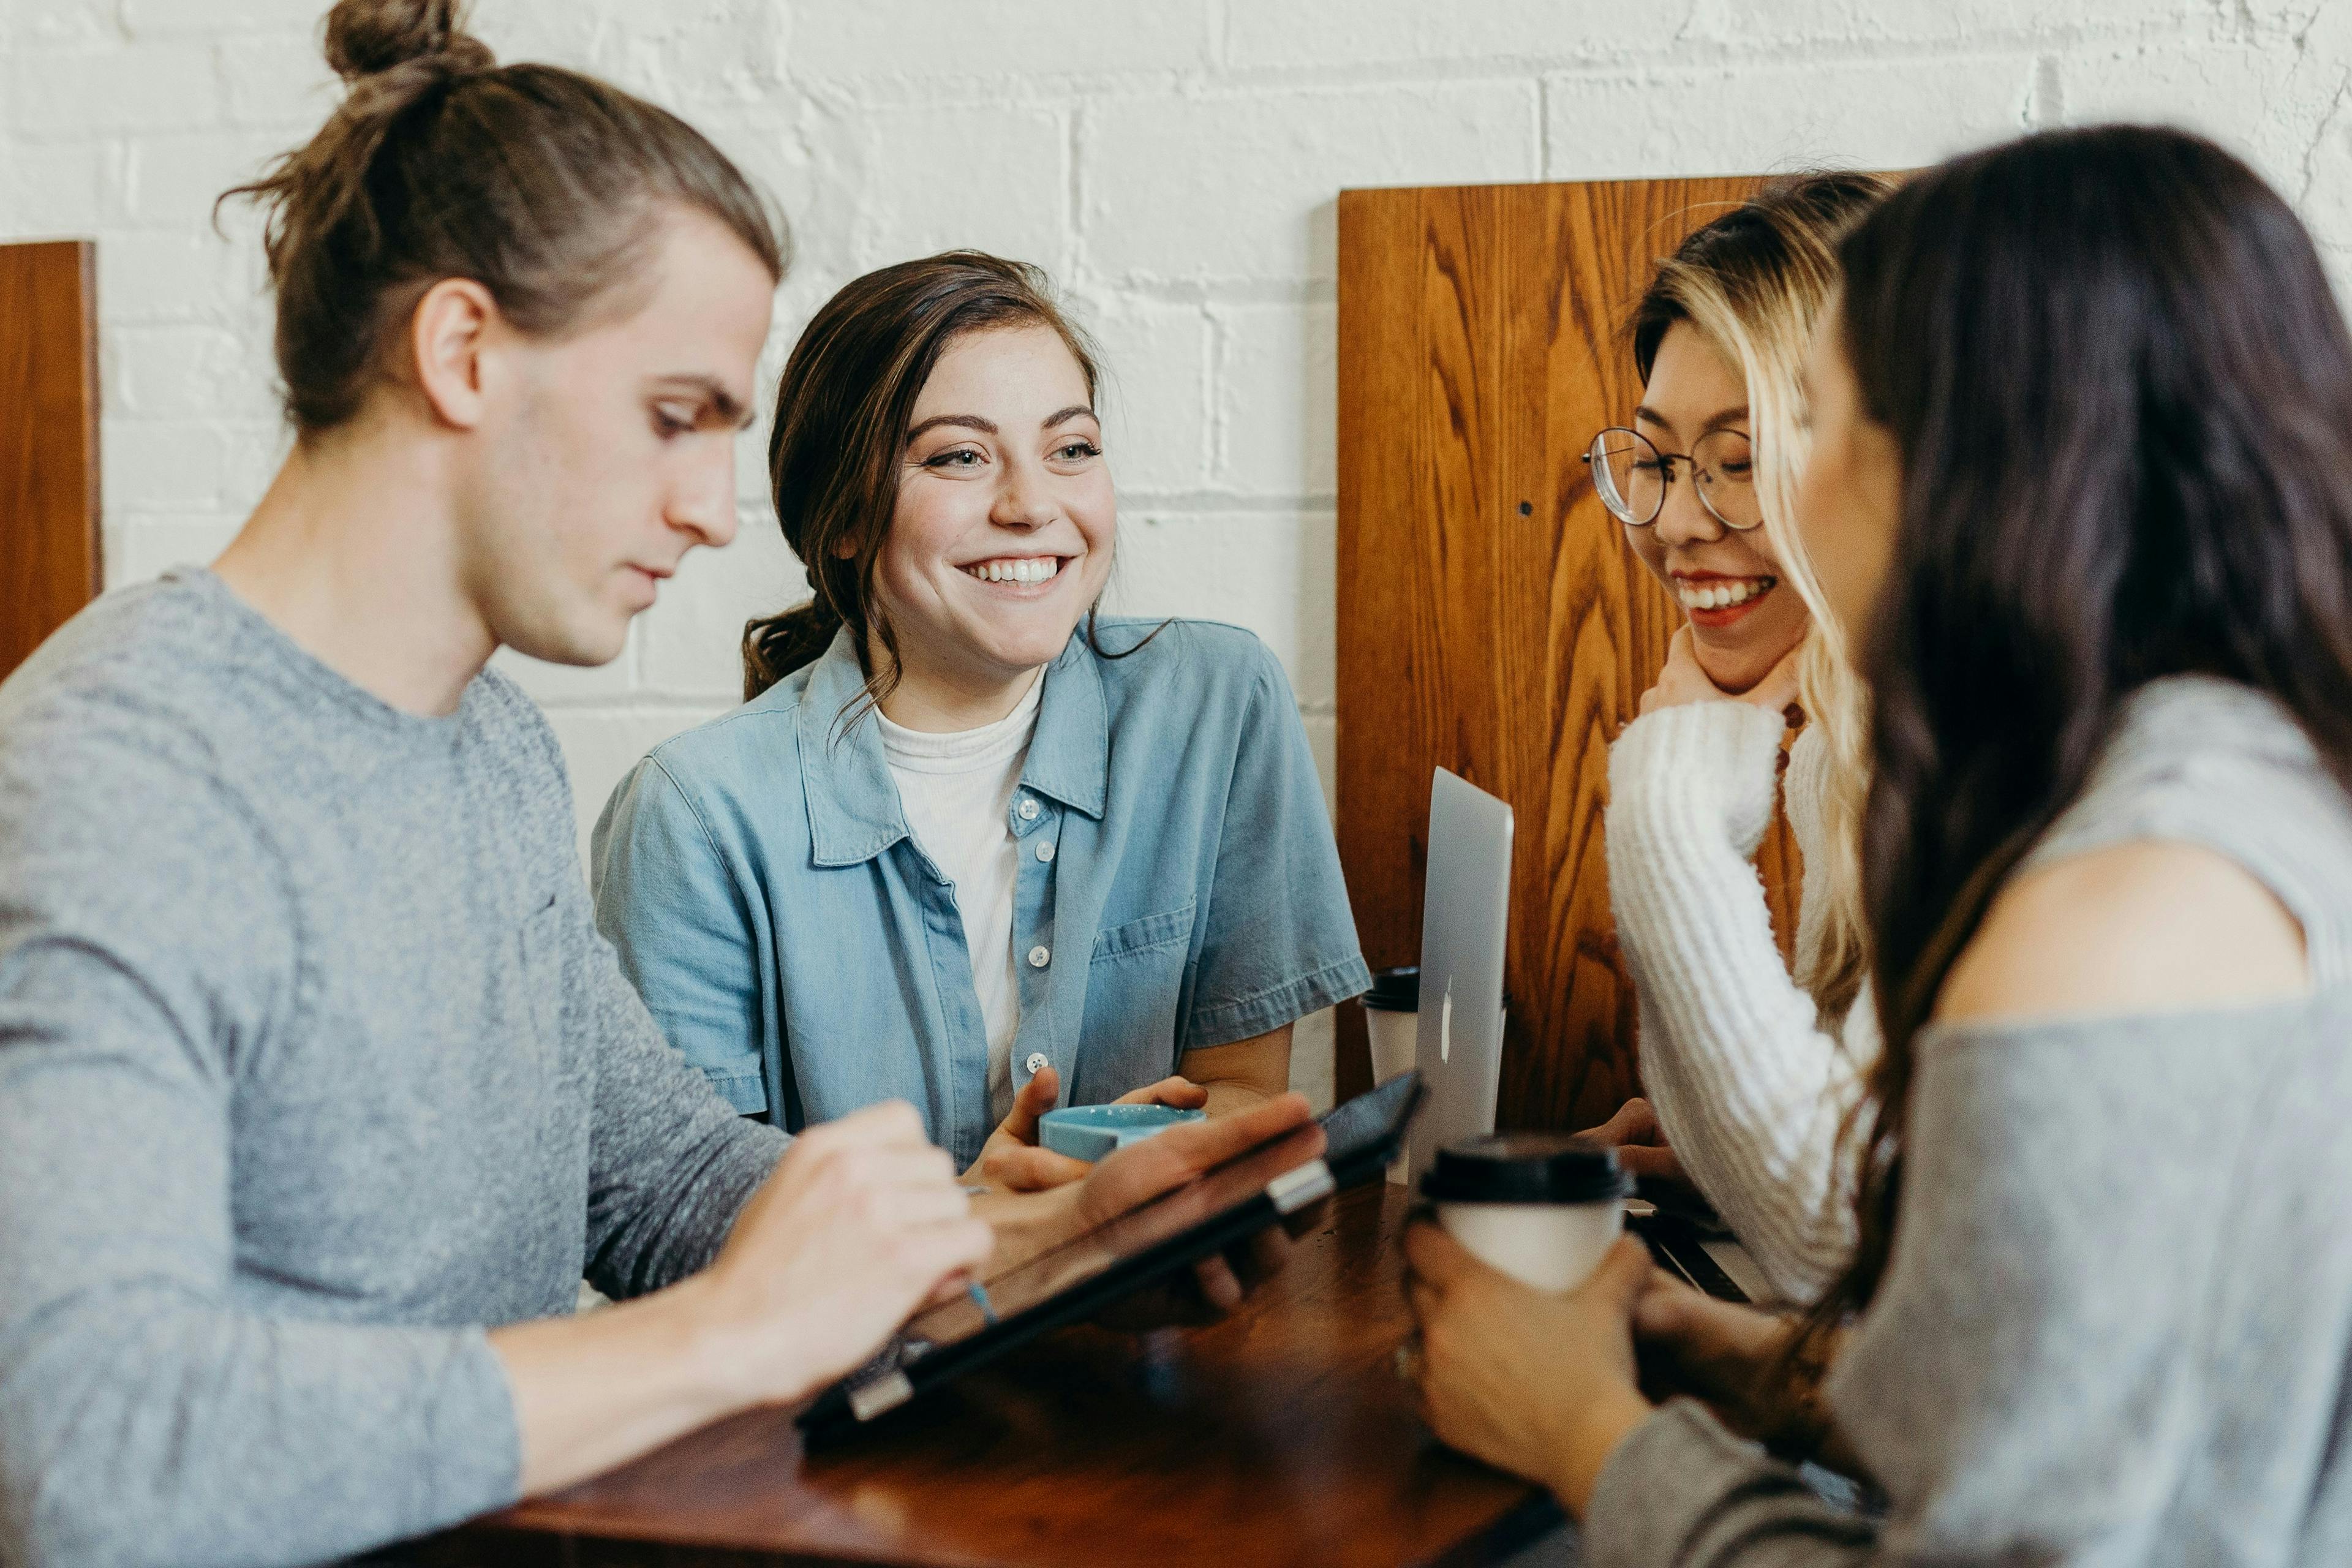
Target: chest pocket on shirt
pixel 1133 986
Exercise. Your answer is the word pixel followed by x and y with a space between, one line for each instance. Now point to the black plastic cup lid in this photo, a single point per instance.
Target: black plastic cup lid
pixel 1526 1168
pixel 1396 990
pixel 1399 991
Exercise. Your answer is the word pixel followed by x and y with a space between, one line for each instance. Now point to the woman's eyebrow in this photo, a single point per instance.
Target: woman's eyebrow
pixel 1074 410
pixel 1735 415
pixel 969 421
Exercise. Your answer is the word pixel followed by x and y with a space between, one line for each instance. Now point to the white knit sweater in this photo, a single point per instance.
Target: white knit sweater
pixel 1749 1088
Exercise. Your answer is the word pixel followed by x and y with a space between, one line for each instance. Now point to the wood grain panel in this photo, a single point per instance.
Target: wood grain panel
pixel 48 441
pixel 1491 619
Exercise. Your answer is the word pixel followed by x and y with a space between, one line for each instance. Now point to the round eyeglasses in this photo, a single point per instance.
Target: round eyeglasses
pixel 1632 477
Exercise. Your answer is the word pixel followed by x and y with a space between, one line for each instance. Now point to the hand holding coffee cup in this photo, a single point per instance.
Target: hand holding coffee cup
pixel 1542 1208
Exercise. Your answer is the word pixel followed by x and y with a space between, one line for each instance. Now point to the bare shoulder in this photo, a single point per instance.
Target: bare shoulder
pixel 2149 926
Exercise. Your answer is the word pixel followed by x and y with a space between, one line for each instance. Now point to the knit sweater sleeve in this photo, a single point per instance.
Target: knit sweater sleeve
pixel 1748 1087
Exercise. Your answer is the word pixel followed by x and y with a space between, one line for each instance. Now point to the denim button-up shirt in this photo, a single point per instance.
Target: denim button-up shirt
pixel 1178 887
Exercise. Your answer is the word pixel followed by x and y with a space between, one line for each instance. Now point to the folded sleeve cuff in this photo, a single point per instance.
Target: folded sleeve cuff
pixel 743 1090
pixel 1223 1023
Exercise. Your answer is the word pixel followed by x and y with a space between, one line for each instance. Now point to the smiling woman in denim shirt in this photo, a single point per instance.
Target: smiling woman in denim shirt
pixel 968 843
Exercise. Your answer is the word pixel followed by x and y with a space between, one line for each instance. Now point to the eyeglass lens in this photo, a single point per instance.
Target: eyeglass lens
pixel 1632 477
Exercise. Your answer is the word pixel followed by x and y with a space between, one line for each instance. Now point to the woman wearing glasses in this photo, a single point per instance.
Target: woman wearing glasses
pixel 1746 1075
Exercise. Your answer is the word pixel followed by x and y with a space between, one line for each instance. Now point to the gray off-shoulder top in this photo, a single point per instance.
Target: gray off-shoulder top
pixel 2117 1325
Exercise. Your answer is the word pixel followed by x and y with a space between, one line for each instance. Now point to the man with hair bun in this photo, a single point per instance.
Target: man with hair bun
pixel 319 1093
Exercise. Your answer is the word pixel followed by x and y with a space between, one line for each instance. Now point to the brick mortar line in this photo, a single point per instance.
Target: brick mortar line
pixel 1060 88
pixel 1048 90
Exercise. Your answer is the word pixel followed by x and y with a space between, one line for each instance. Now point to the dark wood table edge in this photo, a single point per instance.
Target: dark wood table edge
pixel 513 1547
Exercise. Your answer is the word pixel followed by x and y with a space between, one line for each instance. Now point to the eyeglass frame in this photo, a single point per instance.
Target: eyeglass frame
pixel 1666 461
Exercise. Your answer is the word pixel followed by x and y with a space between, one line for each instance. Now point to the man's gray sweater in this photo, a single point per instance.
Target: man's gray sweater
pixel 312 1065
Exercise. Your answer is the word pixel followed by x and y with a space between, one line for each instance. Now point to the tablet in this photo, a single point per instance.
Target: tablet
pixel 1078 1277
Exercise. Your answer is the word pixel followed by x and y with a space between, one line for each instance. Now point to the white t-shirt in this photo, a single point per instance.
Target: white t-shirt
pixel 957 791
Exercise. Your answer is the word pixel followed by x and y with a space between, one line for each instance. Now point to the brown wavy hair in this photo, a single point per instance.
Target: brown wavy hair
pixel 2122 392
pixel 544 186
pixel 847 395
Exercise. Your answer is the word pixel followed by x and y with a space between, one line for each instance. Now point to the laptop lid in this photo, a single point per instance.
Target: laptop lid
pixel 1465 914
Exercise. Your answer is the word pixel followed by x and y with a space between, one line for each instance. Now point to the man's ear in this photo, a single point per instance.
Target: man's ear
pixel 448 333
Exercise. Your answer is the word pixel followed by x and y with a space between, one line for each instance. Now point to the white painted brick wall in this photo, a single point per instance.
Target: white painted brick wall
pixel 1174 163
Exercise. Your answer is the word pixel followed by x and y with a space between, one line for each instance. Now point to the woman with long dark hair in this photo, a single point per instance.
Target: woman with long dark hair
pixel 2082 487
pixel 969 843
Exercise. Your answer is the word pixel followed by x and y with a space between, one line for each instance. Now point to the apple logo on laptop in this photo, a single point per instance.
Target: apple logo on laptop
pixel 1446 1023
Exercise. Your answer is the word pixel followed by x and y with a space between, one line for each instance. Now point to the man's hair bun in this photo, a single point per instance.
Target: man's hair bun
pixel 365 37
pixel 543 185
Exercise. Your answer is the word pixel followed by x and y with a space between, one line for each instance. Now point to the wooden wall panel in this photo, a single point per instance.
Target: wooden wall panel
pixel 49 565
pixel 1490 618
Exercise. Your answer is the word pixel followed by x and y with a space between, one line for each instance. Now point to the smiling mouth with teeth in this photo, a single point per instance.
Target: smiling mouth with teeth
pixel 1722 592
pixel 1017 569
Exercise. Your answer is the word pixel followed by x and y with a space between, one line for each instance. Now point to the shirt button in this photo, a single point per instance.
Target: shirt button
pixel 1036 1063
pixel 1039 957
pixel 1028 810
pixel 1045 850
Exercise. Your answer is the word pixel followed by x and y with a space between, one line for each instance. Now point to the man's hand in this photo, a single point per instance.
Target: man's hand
pixel 1012 1157
pixel 861 1223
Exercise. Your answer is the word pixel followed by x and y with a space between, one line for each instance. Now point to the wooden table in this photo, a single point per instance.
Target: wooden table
pixel 1279 1437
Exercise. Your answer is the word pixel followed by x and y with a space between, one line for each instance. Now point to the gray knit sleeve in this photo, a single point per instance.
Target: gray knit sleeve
pixel 671 1162
pixel 2033 1378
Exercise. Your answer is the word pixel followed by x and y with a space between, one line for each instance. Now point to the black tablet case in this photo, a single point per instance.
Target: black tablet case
pixel 1361 1138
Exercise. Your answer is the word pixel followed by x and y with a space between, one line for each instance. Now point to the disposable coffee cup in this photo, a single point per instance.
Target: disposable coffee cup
pixel 1393 1017
pixel 1393 1020
pixel 1543 1207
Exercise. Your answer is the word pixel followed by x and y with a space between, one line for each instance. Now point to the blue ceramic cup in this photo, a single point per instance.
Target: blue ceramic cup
pixel 1091 1132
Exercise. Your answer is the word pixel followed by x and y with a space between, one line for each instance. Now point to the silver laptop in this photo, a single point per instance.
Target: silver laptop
pixel 1465 913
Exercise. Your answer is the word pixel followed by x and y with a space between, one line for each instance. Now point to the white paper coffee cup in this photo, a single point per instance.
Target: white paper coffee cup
pixel 1393 1037
pixel 1393 1020
pixel 1543 1207
pixel 1393 1023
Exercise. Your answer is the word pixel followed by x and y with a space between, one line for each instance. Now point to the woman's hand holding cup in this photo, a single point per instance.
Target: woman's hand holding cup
pixel 1538 1383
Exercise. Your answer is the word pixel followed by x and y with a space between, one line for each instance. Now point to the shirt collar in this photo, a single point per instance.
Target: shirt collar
pixel 1070 759
pixel 852 805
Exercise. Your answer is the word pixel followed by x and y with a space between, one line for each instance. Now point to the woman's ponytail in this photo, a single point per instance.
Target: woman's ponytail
pixel 775 646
